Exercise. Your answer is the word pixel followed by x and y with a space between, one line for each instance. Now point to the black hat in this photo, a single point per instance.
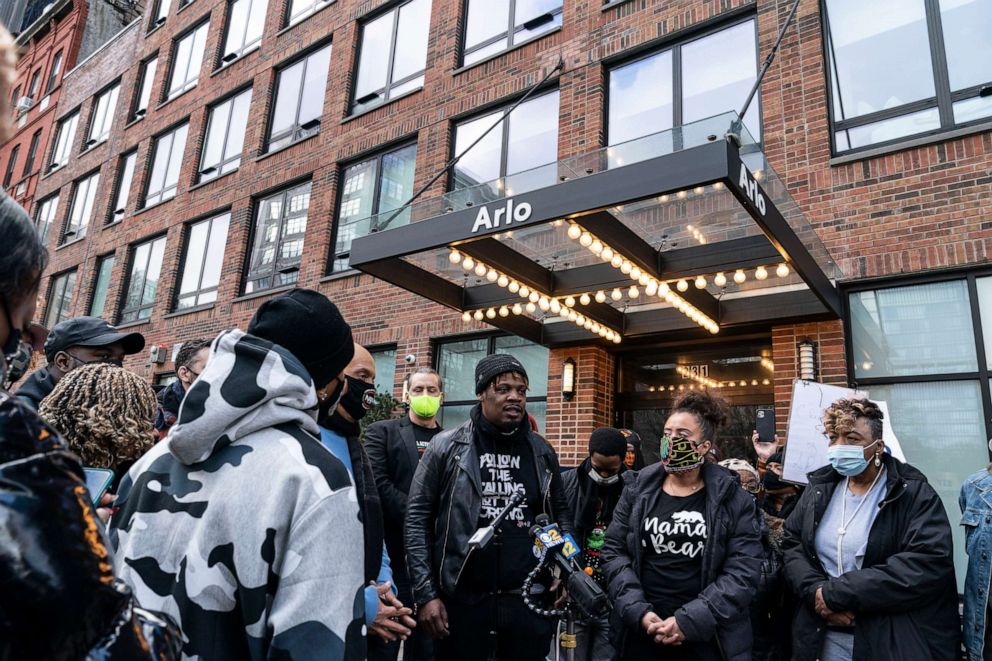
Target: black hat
pixel 311 328
pixel 487 369
pixel 89 332
pixel 608 441
pixel 776 458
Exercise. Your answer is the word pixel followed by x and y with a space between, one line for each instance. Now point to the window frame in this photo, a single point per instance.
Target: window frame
pixel 32 154
pixel 314 7
pixel 110 258
pixel 250 275
pixel 111 90
pixel 92 188
pixel 132 256
pixel 53 284
pixel 53 72
pixel 158 17
pixel 200 290
pixel 137 112
pixel 8 174
pixel 50 205
pixel 218 169
pixel 297 131
pixel 73 119
pixel 152 156
pixel 34 86
pixel 224 56
pixel 119 188
pixel 172 92
pixel 507 34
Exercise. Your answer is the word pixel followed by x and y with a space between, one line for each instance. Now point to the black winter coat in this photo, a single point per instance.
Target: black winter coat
pixel 579 493
pixel 36 387
pixel 904 597
pixel 446 499
pixel 731 561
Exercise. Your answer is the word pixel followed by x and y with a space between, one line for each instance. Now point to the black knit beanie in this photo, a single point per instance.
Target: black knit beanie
pixel 311 328
pixel 608 442
pixel 487 369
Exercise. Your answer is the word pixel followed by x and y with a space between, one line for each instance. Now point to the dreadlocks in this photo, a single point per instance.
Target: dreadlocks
pixel 105 414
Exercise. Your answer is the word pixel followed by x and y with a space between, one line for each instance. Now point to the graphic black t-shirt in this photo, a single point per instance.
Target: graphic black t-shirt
pixel 423 436
pixel 673 535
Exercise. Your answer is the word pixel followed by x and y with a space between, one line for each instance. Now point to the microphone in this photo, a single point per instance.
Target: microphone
pixel 484 535
pixel 583 590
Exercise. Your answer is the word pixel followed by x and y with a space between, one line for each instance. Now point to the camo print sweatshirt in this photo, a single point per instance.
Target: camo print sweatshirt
pixel 241 524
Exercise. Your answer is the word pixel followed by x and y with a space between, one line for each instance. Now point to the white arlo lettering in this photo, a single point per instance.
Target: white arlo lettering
pixel 502 216
pixel 750 187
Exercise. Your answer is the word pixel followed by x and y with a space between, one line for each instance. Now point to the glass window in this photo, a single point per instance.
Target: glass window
pixel 11 164
pixel 32 153
pixel 495 25
pixel 299 101
pixel 167 158
pixel 103 115
pixel 15 96
pixel 33 85
pixel 225 136
pixel 147 79
pixel 45 215
pixel 300 9
pixel 370 191
pixel 916 330
pixel 122 189
pixel 385 369
pixel 202 263
pixel 161 12
pixel 246 20
pixel 525 139
pixel 100 286
pixel 59 298
pixel 82 207
pixel 883 81
pixel 53 73
pixel 278 242
pixel 534 358
pixel 146 266
pixel 187 56
pixel 393 54
pixel 64 137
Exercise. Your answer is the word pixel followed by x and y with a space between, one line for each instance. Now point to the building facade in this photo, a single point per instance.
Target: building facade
pixel 223 151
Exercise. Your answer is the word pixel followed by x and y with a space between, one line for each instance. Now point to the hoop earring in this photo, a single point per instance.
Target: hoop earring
pixel 878 460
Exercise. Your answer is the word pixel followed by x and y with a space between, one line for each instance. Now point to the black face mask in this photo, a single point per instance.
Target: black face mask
pixel 327 406
pixel 773 482
pixel 359 398
pixel 16 353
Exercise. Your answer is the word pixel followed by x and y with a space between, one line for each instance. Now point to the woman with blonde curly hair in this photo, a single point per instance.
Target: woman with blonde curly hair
pixel 105 414
pixel 868 552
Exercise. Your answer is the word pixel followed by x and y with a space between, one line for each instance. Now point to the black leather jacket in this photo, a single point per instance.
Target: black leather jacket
pixel 444 505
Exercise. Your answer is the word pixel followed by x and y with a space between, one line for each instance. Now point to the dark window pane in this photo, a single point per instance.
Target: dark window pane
pixel 59 299
pixel 53 73
pixel 533 357
pixel 32 153
pixel 456 365
pixel 278 241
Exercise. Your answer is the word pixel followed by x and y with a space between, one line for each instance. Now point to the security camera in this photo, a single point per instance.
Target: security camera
pixel 410 359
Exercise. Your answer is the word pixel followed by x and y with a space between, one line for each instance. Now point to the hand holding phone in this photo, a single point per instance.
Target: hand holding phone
pixel 98 480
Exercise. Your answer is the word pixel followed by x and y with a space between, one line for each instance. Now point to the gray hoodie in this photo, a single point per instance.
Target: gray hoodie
pixel 241 524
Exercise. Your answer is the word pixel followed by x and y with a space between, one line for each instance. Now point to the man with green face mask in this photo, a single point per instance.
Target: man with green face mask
pixel 394 448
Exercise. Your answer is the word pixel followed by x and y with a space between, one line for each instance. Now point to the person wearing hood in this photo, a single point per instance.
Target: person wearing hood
pixel 385 615
pixel 593 490
pixel 683 553
pixel 241 524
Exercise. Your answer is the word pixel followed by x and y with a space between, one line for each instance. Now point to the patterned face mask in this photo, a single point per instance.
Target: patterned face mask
pixel 679 454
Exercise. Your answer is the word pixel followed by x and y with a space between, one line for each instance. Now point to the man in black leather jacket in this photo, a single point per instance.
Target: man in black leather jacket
pixel 471 601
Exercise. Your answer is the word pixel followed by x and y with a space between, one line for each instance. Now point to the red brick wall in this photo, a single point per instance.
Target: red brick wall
pixel 831 365
pixel 571 422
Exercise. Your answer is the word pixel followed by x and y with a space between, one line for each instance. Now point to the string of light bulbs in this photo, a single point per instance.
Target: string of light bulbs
pixel 743 383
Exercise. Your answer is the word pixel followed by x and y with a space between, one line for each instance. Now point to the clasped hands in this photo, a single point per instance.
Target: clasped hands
pixel 664 632
pixel 841 619
pixel 392 621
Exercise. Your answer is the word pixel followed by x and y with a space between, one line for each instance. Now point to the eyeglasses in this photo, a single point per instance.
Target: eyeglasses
pixel 751 486
pixel 116 362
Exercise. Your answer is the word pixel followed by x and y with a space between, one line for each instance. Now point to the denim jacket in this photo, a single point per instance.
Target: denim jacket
pixel 976 517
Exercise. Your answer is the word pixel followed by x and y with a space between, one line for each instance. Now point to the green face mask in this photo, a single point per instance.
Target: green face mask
pixel 425 406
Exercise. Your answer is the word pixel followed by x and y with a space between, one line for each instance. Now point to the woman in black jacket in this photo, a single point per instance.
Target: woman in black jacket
pixel 683 552
pixel 868 553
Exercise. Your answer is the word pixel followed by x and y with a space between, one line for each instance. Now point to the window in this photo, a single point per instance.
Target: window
pixel 32 153
pixel 65 135
pixel 900 68
pixel 495 25
pixel 161 12
pixel 82 207
pixel 16 96
pixel 187 56
pixel 456 364
pixel 122 189
pixel 300 9
pixel 98 301
pixel 299 99
pixel 33 86
pixel 246 19
pixel 146 265
pixel 11 163
pixel 59 298
pixel 370 191
pixel 147 79
pixel 707 76
pixel 45 215
pixel 525 139
pixel 167 158
pixel 53 73
pixel 201 267
pixel 103 115
pixel 278 242
pixel 225 136
pixel 393 54
pixel 385 369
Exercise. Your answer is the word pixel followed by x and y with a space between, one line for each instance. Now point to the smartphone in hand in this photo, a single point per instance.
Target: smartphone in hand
pixel 765 424
pixel 98 480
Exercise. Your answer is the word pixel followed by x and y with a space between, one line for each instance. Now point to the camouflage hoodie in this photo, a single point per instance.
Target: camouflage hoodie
pixel 241 524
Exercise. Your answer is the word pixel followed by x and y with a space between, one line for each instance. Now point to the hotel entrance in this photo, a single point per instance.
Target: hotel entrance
pixel 741 371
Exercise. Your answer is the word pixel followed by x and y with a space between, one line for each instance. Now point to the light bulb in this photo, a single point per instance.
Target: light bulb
pixel 626 267
pixel 574 231
pixel 584 299
pixel 490 314
pixel 585 239
pixel 524 292
pixel 480 270
pixel 572 316
pixel 600 296
pixel 466 316
pixel 651 288
pixel 564 312
pixel 681 195
pixel 468 263
pixel 644 279
pixel 720 280
pixel 782 270
pixel 633 292
pixel 596 248
pixel 544 304
pixel 477 315
pixel 698 190
pixel 616 295
pixel 492 276
pixel 570 301
pixel 739 276
pixel 607 253
pixel 635 273
pixel 682 285
pixel 580 320
pixel 587 325
pixel 616 338
pixel 513 287
pixel 616 262
pixel 455 257
pixel 531 308
pixel 534 297
pixel 760 273
pixel 555 306
pixel 504 311
pixel 766 382
pixel 700 282
pixel 663 289
pixel 503 281
pixel 718 185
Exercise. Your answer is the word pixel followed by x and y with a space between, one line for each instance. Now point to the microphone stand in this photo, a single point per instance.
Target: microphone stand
pixel 484 535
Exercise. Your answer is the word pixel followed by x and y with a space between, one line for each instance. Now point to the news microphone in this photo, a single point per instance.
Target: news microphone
pixel 484 535
pixel 583 590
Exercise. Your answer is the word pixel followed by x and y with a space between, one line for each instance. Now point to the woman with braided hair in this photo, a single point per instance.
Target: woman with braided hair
pixel 105 414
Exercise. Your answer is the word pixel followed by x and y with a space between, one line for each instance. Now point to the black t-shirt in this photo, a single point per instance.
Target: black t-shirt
pixel 506 466
pixel 423 436
pixel 673 535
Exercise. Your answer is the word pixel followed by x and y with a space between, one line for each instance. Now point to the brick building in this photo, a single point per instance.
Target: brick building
pixel 251 145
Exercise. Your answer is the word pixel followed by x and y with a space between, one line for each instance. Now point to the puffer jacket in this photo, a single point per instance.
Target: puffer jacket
pixel 241 524
pixel 731 561
pixel 445 502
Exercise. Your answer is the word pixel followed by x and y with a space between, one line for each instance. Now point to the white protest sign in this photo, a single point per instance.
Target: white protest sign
pixel 806 442
pixel 889 436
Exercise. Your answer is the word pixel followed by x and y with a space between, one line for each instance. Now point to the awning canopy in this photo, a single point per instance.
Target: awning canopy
pixel 681 232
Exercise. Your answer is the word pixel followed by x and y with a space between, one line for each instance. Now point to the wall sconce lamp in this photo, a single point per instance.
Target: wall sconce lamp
pixel 568 379
pixel 807 360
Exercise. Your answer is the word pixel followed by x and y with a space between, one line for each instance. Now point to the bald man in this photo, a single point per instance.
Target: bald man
pixel 385 616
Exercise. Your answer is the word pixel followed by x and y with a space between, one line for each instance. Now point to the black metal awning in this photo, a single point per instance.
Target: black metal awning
pixel 675 216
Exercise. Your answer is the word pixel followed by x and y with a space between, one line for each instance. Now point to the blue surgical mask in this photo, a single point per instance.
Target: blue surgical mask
pixel 848 460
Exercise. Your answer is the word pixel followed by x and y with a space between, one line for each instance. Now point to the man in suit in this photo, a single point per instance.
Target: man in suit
pixel 394 448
